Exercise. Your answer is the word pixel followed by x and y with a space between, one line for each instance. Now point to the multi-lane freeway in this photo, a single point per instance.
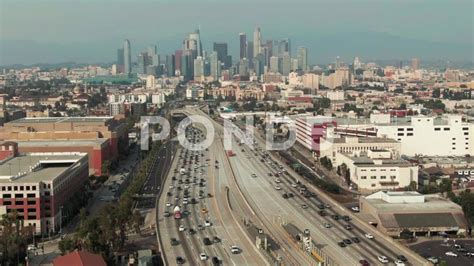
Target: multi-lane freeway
pixel 254 185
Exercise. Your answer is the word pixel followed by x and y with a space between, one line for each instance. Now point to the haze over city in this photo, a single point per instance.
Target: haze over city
pixel 226 132
pixel 87 31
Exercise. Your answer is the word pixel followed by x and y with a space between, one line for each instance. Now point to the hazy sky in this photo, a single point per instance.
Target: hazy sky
pixel 34 31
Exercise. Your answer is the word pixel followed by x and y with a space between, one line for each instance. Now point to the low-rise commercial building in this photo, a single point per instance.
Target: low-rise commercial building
pixel 377 170
pixel 397 213
pixel 38 185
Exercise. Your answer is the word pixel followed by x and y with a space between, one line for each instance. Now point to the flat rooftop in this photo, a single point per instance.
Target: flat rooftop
pixel 89 119
pixel 432 203
pixel 363 140
pixel 367 162
pixel 36 167
pixel 61 143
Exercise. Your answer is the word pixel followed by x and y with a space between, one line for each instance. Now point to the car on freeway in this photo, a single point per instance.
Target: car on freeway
pixel 207 223
pixel 174 241
pixel 277 187
pixel 341 244
pixel 269 174
pixel 304 206
pixel 290 195
pixel 215 261
pixel 285 195
pixel 355 239
pixel 335 217
pixel 206 241
pixel 179 260
pixel 294 185
pixel 451 254
pixel 204 210
pixel 191 231
pixel 382 259
pixel 364 262
pixel 235 249
pixel 322 213
pixel 327 225
pixel 399 263
pixel 347 241
pixel 168 204
pixel 167 214
pixel 402 258
pixel 348 227
pixel 346 218
pixel 277 180
pixel 200 227
pixel 355 209
pixel 254 175
pixel 181 228
pixel 369 236
pixel 203 256
pixel 216 239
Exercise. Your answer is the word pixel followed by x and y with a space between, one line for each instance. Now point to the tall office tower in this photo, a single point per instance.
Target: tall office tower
pixel 228 62
pixel 215 65
pixel 221 49
pixel 153 57
pixel 244 67
pixel 285 64
pixel 257 42
pixel 269 53
pixel 259 64
pixel 120 60
pixel 177 59
pixel 302 58
pixel 274 64
pixel 187 65
pixel 170 65
pixel 294 64
pixel 337 65
pixel 193 42
pixel 415 64
pixel 198 68
pixel 264 56
pixel 250 48
pixel 127 57
pixel 243 45
pixel 142 63
pixel 285 47
pixel 356 64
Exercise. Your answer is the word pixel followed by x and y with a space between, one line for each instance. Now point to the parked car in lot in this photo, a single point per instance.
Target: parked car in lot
pixel 451 254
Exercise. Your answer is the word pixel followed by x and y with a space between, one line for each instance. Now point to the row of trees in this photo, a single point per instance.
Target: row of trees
pixel 326 162
pixel 105 233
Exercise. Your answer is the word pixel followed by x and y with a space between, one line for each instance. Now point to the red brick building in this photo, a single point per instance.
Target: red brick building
pixel 37 185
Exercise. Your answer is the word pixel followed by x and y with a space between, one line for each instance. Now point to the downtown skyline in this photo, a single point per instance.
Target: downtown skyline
pixel 357 30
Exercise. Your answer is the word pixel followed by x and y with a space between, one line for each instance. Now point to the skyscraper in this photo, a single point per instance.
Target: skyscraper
pixel 198 68
pixel 274 63
pixel 193 42
pixel 221 49
pixel 257 42
pixel 243 45
pixel 415 64
pixel 177 59
pixel 127 57
pixel 302 58
pixel 249 53
pixel 170 65
pixel 120 60
pixel 285 64
pixel 244 67
pixel 215 65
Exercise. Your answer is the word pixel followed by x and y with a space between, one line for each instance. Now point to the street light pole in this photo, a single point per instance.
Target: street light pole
pixel 61 219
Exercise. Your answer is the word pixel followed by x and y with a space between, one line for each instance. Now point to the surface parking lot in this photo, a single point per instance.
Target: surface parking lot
pixel 438 248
